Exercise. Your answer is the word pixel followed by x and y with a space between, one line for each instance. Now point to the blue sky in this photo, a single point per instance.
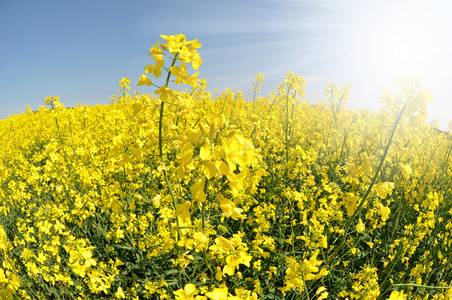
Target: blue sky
pixel 79 50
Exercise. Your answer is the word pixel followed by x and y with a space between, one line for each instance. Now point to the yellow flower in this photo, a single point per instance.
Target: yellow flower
pixel 351 203
pixel 48 100
pixel 396 295
pixel 144 80
pixel 201 239
pixel 156 52
pixel 384 211
pixel 187 293
pixel 384 188
pixel 406 170
pixel 229 208
pixel 120 294
pixel 219 274
pixel 124 83
pixel 360 227
pixel 164 93
pixel 197 190
pixel 218 294
pixel 155 69
pixel 323 293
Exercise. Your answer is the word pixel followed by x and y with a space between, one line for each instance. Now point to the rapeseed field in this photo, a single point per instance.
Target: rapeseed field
pixel 189 196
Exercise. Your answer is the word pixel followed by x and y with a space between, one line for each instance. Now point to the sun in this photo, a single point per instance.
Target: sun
pixel 401 50
pixel 403 40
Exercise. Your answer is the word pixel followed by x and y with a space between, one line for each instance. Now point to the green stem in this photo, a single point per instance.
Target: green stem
pixel 168 183
pixel 287 125
pixel 203 215
pixel 369 189
pixel 305 287
pixel 334 111
pixel 345 140
pixel 169 72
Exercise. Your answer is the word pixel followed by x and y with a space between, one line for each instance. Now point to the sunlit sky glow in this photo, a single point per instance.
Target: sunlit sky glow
pixel 79 50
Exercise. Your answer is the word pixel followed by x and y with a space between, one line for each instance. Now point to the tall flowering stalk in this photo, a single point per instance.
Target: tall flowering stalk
pixel 180 52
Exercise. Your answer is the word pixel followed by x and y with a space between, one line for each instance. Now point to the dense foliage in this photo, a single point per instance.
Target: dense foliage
pixel 192 196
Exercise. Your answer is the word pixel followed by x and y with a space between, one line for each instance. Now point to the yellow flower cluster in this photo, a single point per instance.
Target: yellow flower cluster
pixel 184 195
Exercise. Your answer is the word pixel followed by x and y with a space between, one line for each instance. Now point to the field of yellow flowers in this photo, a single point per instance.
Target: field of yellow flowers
pixel 185 195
